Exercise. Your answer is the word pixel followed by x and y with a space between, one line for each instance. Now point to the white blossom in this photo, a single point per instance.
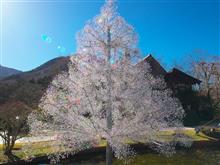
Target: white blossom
pixel 76 103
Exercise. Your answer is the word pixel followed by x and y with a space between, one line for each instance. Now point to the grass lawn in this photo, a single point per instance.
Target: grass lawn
pixel 189 132
pixel 44 148
pixel 36 149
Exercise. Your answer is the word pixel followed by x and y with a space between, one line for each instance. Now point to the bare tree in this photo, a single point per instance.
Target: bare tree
pixel 216 80
pixel 13 125
pixel 105 96
pixel 206 67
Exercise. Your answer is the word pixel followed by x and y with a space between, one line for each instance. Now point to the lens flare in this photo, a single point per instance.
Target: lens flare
pixel 61 49
pixel 46 38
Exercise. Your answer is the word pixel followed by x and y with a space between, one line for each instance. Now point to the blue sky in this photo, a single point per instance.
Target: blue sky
pixel 35 31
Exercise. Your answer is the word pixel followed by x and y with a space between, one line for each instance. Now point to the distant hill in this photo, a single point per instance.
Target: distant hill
pixel 29 87
pixel 5 72
pixel 48 69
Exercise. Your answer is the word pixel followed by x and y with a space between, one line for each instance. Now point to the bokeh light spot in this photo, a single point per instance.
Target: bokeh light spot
pixel 46 38
pixel 61 49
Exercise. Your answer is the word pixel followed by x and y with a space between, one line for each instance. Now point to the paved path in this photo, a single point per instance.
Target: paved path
pixel 176 128
pixel 33 139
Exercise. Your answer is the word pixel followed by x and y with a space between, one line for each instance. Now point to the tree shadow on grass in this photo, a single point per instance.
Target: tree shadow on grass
pixel 208 137
pixel 12 157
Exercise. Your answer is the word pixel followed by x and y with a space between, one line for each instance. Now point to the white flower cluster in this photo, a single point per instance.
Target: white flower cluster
pixel 77 102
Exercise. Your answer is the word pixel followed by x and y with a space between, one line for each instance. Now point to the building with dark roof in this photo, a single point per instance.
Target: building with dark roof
pixel 175 79
pixel 198 108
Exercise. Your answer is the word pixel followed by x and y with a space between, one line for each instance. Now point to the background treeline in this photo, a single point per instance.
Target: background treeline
pixel 202 103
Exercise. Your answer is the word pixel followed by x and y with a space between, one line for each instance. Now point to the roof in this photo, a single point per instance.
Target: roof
pixel 156 68
pixel 179 77
pixel 175 76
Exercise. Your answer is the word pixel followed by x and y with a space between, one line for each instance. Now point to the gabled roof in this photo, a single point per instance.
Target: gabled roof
pixel 176 76
pixel 156 68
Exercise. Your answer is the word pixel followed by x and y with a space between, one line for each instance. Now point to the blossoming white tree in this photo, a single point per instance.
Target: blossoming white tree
pixel 105 96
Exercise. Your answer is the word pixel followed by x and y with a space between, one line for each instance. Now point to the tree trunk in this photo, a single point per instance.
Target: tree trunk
pixel 8 153
pixel 108 155
pixel 8 150
pixel 9 145
pixel 109 107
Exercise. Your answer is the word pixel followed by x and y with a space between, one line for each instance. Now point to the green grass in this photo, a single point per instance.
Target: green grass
pixel 16 147
pixel 190 133
pixel 44 148
pixel 34 149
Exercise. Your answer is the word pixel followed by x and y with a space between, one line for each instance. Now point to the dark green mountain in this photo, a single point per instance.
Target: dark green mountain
pixel 5 72
pixel 29 87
